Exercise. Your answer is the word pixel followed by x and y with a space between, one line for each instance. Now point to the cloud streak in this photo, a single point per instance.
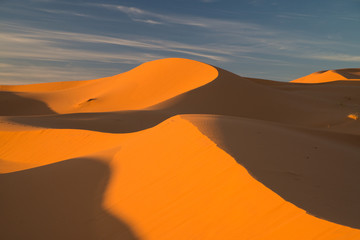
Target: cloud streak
pixel 45 44
pixel 138 14
pixel 22 73
pixel 28 43
pixel 218 41
pixel 336 57
pixel 233 36
pixel 237 38
pixel 208 1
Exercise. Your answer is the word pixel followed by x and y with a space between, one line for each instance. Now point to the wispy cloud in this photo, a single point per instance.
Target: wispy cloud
pixel 147 21
pixel 219 41
pixel 137 14
pixel 296 16
pixel 335 57
pixel 67 12
pixel 45 44
pixel 208 1
pixel 238 37
pixel 350 18
pixel 21 74
pixel 19 42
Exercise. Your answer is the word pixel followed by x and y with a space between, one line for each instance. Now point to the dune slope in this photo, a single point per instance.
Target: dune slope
pixel 347 74
pixel 178 149
pixel 148 84
pixel 294 162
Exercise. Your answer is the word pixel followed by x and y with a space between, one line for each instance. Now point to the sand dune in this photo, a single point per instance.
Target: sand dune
pixel 347 74
pixel 178 149
pixel 146 85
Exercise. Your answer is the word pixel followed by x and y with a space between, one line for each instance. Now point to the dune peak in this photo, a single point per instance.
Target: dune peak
pixel 346 74
pixel 146 85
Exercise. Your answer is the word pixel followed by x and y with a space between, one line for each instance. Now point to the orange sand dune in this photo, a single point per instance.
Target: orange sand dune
pixel 178 149
pixel 141 87
pixel 347 74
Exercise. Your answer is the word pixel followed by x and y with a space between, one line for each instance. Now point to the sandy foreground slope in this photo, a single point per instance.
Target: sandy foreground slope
pixel 178 149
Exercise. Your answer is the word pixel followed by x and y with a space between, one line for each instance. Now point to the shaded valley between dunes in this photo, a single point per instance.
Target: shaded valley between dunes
pixel 178 149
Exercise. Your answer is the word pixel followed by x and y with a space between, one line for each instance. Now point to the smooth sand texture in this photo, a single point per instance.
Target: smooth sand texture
pixel 146 85
pixel 177 149
pixel 348 74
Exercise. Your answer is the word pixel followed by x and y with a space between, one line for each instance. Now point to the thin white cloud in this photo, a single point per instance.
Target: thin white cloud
pixel 208 1
pixel 34 41
pixel 68 12
pixel 23 74
pixel 38 47
pixel 19 42
pixel 349 18
pixel 296 16
pixel 234 36
pixel 148 21
pixel 137 14
pixel 218 41
pixel 59 54
pixel 335 57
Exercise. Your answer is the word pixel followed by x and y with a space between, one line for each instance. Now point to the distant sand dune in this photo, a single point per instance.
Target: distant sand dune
pixel 347 74
pixel 178 149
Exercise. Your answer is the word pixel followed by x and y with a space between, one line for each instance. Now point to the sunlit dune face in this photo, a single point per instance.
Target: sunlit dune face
pixel 327 76
pixel 28 149
pixel 194 190
pixel 330 76
pixel 144 86
pixel 157 81
pixel 353 116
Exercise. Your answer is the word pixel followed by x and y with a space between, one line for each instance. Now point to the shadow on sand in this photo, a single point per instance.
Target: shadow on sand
pixel 12 104
pixel 109 122
pixel 59 201
pixel 314 170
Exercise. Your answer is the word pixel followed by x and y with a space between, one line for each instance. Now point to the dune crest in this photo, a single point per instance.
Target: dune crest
pixel 178 149
pixel 347 74
pixel 143 86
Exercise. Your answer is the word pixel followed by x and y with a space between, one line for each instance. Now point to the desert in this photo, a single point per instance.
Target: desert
pixel 180 149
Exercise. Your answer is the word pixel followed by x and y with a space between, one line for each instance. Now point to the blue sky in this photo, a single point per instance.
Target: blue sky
pixel 59 40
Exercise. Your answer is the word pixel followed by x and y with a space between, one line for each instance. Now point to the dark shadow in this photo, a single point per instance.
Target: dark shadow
pixel 232 95
pixel 349 73
pixel 314 170
pixel 111 122
pixel 15 105
pixel 59 201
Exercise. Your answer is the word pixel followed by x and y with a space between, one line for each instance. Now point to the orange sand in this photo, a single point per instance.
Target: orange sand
pixel 350 74
pixel 177 149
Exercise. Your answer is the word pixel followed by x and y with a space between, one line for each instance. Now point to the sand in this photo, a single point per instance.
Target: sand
pixel 347 74
pixel 178 149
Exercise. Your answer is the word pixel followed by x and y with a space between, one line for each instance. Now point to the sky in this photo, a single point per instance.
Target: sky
pixel 62 40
